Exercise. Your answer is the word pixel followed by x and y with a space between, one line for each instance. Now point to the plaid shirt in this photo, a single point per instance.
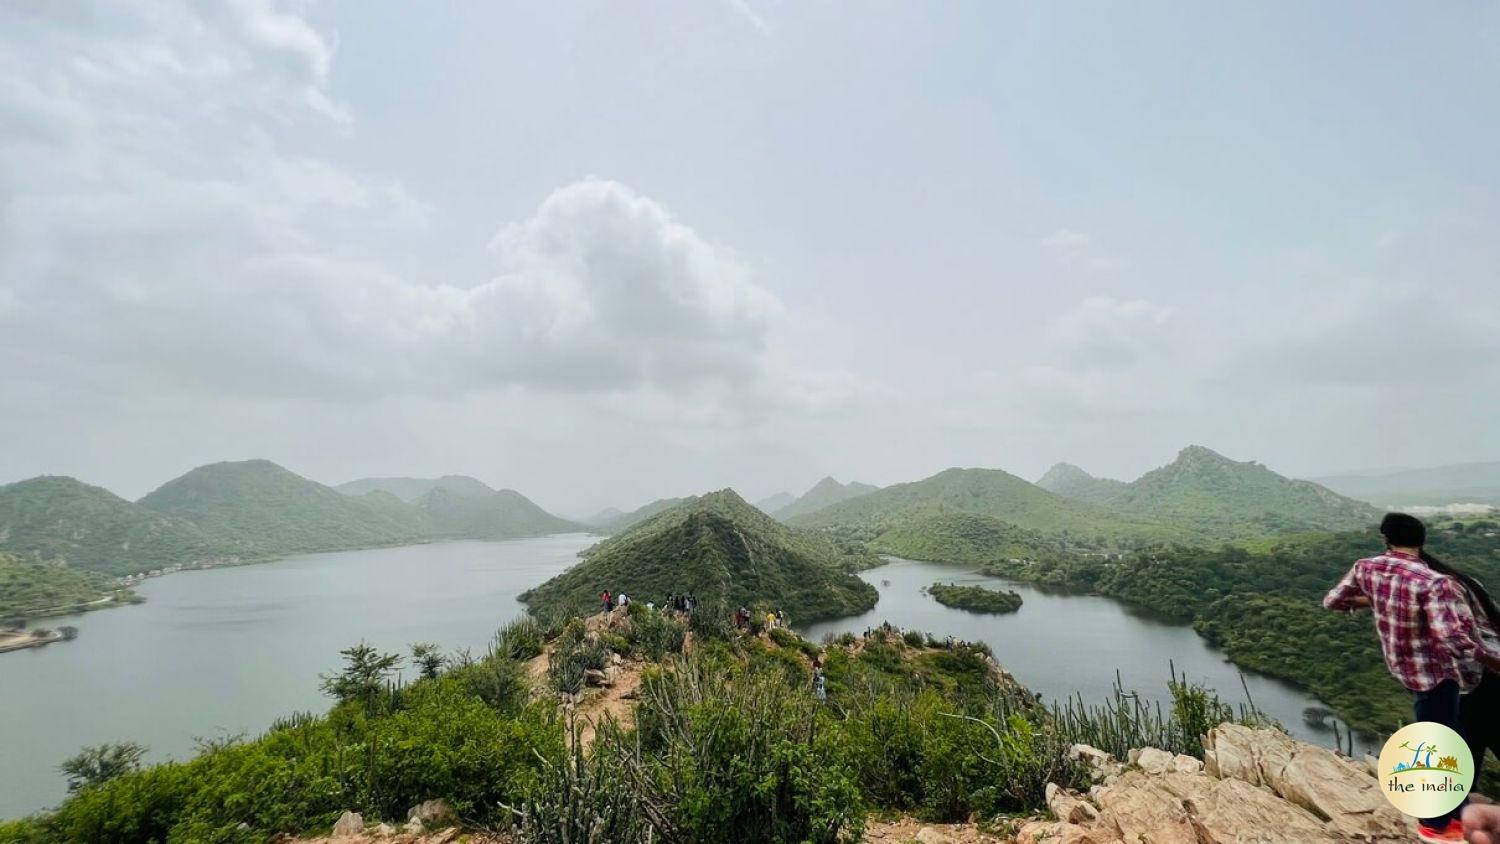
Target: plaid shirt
pixel 1428 630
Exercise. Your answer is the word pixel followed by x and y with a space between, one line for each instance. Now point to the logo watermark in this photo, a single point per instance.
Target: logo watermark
pixel 1426 769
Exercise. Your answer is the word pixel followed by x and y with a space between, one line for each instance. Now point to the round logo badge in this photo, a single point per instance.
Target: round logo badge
pixel 1426 769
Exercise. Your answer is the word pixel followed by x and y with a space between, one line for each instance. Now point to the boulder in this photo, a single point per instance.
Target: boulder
pixel 1048 832
pixel 349 825
pixel 1100 764
pixel 1152 760
pixel 928 835
pixel 431 813
pixel 1336 790
pixel 595 677
pixel 1069 806
pixel 383 830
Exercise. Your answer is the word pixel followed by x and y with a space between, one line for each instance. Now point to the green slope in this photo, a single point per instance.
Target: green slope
pixel 1223 499
pixel 504 514
pixel 258 509
pixel 59 518
pixel 625 521
pixel 824 493
pixel 410 489
pixel 720 549
pixel 995 494
pixel 30 589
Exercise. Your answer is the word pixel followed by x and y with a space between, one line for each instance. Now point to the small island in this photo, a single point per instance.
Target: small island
pixel 975 598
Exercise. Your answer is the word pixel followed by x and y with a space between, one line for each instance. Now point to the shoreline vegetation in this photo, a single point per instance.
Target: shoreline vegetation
pixel 978 599
pixel 635 725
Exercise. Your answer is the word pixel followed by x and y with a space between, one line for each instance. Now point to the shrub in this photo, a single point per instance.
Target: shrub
pixel 519 640
pixel 913 638
pixel 657 635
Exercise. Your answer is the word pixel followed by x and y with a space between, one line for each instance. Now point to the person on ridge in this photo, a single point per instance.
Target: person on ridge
pixel 604 598
pixel 1437 629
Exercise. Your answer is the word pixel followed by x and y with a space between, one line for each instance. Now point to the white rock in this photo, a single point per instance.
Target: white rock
pixel 349 825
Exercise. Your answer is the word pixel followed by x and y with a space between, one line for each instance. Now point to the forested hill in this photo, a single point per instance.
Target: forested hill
pixel 1217 499
pixel 56 518
pixel 997 495
pixel 499 514
pixel 259 509
pixel 722 550
pixel 823 494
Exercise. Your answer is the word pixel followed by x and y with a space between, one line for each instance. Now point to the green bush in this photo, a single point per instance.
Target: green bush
pixel 657 635
pixel 519 640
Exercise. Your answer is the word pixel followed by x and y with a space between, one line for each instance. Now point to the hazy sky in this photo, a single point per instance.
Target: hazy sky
pixel 603 252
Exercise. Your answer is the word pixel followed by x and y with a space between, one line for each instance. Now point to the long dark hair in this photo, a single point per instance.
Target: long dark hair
pixel 1476 589
pixel 1407 531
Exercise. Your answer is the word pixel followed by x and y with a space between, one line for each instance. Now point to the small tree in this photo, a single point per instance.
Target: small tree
pixel 428 660
pixel 102 763
pixel 366 672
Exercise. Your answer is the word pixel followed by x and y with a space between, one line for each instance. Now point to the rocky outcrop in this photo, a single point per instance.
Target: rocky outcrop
pixel 1254 785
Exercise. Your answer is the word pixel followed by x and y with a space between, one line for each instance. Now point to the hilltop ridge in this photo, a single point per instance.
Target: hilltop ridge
pixel 724 551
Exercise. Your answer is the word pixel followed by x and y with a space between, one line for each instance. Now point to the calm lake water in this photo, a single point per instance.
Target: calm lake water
pixel 227 651
pixel 1061 646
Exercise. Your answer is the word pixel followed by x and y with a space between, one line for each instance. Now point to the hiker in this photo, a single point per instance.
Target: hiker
pixel 770 620
pixel 820 685
pixel 623 600
pixel 1437 629
pixel 781 618
pixel 604 598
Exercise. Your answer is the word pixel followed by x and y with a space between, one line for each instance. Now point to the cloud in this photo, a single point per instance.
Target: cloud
pixel 164 230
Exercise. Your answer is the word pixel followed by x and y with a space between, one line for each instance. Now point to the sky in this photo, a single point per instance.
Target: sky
pixel 604 252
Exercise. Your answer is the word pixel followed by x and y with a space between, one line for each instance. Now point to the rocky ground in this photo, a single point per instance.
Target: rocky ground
pixel 1254 785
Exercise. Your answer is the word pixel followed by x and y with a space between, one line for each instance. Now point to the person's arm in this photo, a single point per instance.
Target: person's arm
pixel 1451 620
pixel 1347 595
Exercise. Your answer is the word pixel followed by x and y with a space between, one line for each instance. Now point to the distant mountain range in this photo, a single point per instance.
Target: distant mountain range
pixel 722 550
pixel 251 510
pixel 614 521
pixel 825 493
pixel 1460 483
pixel 410 489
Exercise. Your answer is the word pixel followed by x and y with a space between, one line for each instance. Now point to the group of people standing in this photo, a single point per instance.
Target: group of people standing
pixel 1437 629
pixel 773 620
pixel 674 603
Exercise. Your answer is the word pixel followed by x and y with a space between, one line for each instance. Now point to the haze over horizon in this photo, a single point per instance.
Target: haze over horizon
pixel 602 254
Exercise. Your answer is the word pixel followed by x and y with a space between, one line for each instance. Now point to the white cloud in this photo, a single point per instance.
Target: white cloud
pixel 161 231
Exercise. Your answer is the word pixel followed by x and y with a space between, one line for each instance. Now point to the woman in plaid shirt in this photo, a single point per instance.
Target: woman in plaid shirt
pixel 1437 631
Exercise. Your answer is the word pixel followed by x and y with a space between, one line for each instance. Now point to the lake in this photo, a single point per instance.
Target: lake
pixel 1062 645
pixel 224 651
pixel 227 651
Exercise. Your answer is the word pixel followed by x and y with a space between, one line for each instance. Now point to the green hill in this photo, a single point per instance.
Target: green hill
pixel 1463 483
pixel 30 589
pixel 1223 499
pixel 503 514
pixel 954 537
pixel 410 489
pixel 823 494
pixel 258 509
pixel 720 549
pixel 1069 481
pixel 59 518
pixel 997 495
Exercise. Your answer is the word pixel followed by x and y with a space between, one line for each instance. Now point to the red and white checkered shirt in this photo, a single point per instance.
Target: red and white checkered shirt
pixel 1429 630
